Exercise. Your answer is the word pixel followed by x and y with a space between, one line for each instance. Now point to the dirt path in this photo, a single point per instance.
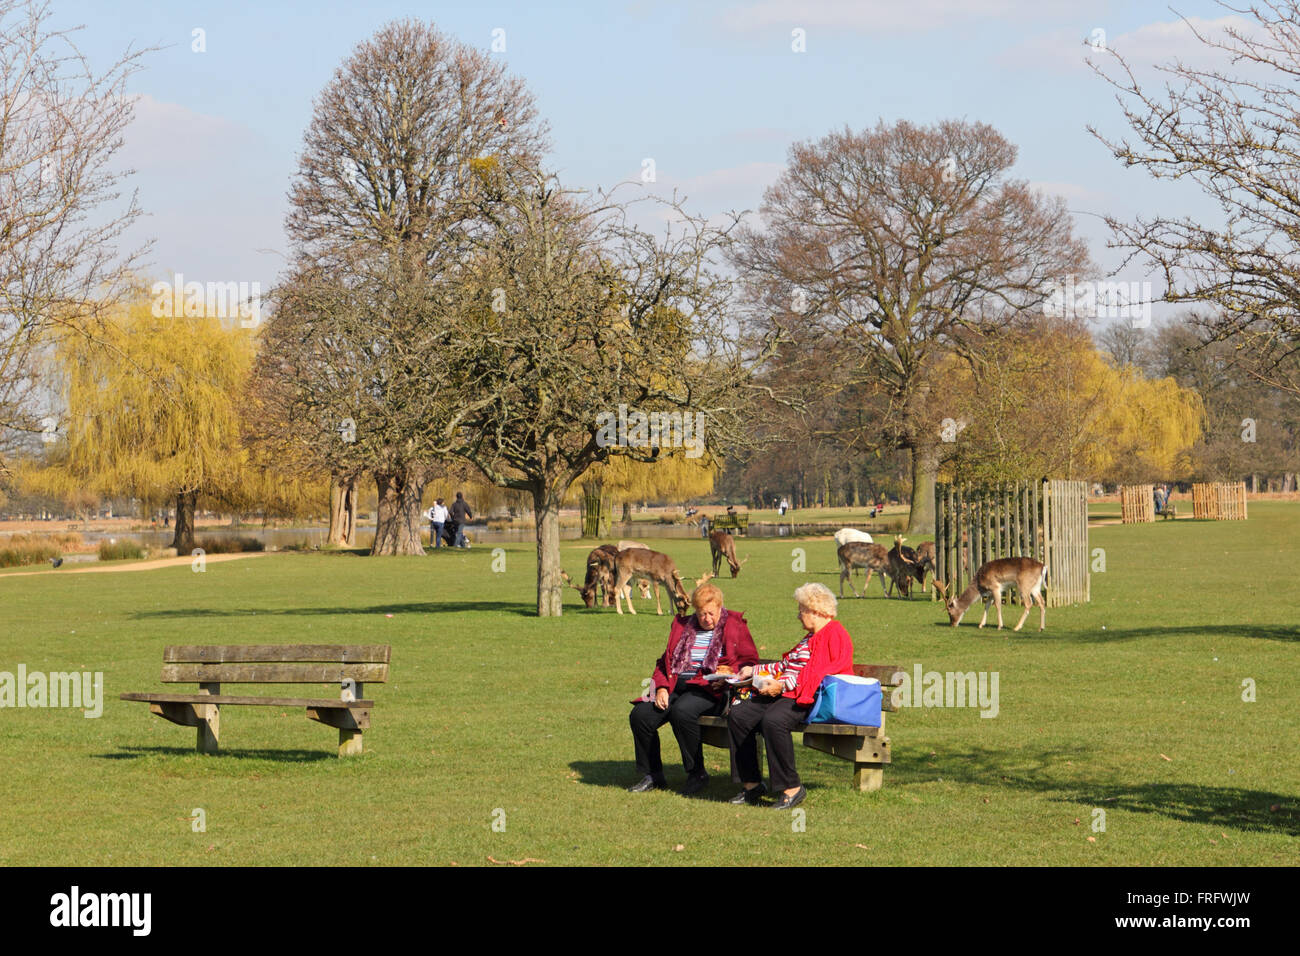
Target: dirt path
pixel 140 565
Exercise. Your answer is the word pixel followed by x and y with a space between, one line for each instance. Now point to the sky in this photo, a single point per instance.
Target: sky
pixel 715 93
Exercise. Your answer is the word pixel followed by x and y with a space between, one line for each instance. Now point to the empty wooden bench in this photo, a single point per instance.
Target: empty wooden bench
pixel 351 666
pixel 866 747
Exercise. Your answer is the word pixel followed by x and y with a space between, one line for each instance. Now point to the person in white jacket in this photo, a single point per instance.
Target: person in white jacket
pixel 437 518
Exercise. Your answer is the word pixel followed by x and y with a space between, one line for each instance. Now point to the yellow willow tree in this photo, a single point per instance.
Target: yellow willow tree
pixel 673 475
pixel 1042 401
pixel 151 410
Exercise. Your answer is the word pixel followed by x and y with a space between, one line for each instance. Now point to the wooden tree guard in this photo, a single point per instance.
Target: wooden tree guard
pixel 1046 520
pixel 1219 500
pixel 1138 503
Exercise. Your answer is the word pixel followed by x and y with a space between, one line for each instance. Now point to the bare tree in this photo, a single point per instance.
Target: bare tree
pixel 880 246
pixel 1236 134
pixel 61 124
pixel 380 220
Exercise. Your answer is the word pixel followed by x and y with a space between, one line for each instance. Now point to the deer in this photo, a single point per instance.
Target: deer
pixel 600 577
pixel 924 559
pixel 624 545
pixel 659 568
pixel 873 557
pixel 902 567
pixel 849 535
pixel 723 545
pixel 1025 573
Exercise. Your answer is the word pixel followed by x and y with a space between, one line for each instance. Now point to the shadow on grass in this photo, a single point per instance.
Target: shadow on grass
pixel 428 607
pixel 621 774
pixel 280 756
pixel 1113 634
pixel 1227 807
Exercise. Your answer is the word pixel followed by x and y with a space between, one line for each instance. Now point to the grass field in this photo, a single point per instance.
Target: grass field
pixel 1132 705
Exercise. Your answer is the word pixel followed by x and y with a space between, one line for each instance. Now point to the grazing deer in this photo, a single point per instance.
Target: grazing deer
pixel 924 559
pixel 873 557
pixel 850 535
pixel 723 545
pixel 1025 573
pixel 624 545
pixel 901 567
pixel 659 568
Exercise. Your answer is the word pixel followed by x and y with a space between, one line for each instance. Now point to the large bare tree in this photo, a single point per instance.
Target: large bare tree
pixel 1233 130
pixel 380 222
pixel 879 247
pixel 61 125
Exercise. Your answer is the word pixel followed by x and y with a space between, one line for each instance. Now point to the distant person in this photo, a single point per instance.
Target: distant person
pixel 704 526
pixel 1159 495
pixel 437 520
pixel 461 514
pixel 785 506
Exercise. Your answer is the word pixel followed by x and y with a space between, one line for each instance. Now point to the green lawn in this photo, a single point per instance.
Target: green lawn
pixel 1131 705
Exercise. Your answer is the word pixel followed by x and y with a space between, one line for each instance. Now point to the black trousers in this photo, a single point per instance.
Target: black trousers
pixel 776 717
pixel 686 705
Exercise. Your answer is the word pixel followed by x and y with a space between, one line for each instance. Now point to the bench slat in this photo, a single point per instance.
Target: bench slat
pixel 323 673
pixel 839 730
pixel 236 699
pixel 272 653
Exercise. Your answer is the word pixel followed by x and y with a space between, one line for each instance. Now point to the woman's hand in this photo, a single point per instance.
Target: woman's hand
pixel 746 671
pixel 661 698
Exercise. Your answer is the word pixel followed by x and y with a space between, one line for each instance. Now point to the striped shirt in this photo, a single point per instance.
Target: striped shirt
pixel 699 650
pixel 792 662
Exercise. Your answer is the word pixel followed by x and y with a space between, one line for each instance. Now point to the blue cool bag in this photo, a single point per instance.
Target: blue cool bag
pixel 846 699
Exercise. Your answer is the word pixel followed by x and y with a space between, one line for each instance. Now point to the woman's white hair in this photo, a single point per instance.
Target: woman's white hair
pixel 818 598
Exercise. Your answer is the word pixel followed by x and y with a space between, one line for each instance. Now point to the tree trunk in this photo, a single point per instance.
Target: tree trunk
pixel 550 587
pixel 925 470
pixel 595 511
pixel 398 518
pixel 343 511
pixel 183 537
pixel 627 512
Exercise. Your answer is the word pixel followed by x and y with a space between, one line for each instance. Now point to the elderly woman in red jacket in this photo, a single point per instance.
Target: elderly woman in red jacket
pixel 781 702
pixel 713 640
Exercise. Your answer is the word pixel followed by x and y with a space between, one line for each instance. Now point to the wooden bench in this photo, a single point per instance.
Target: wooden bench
pixel 733 523
pixel 352 666
pixel 866 747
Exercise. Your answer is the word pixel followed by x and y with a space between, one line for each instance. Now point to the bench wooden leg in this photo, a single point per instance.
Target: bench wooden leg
pixel 350 722
pixel 209 734
pixel 868 776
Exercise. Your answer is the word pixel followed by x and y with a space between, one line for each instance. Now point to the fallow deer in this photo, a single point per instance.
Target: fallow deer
pixel 723 545
pixel 902 567
pixel 924 560
pixel 873 557
pixel 625 544
pixel 850 535
pixel 1025 573
pixel 659 568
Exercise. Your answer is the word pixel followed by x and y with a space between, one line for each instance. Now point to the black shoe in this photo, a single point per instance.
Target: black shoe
pixel 788 801
pixel 648 782
pixel 750 796
pixel 694 784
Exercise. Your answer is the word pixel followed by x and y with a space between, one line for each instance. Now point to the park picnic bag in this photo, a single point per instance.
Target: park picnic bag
pixel 846 699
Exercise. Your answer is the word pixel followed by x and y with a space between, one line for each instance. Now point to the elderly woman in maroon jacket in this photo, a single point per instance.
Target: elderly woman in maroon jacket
pixel 782 701
pixel 713 640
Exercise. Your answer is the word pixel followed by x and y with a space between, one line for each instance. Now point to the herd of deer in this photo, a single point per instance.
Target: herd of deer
pixel 611 568
pixel 901 564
